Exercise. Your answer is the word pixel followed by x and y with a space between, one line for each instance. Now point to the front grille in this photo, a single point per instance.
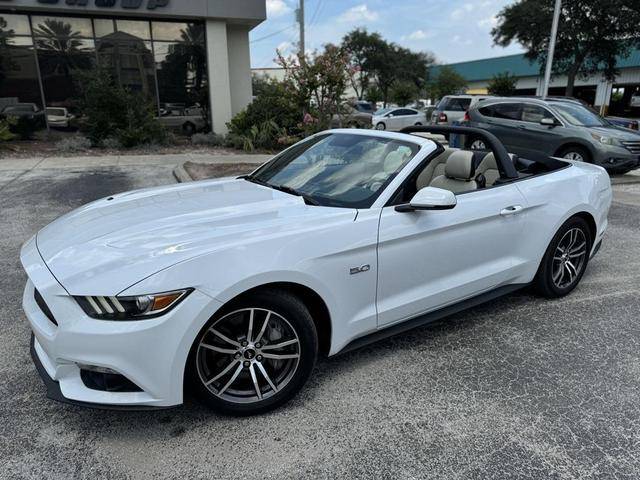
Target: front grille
pixel 633 147
pixel 43 306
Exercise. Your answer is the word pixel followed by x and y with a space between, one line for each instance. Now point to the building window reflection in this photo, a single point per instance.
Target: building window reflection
pixel 165 61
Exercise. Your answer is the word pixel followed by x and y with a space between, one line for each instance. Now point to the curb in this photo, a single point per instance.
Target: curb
pixel 181 174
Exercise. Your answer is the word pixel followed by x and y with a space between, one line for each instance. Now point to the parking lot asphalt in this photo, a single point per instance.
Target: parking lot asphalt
pixel 518 388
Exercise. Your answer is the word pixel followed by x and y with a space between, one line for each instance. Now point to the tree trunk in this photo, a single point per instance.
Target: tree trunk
pixel 571 80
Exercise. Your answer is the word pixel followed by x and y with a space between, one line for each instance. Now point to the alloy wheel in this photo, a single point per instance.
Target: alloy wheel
pixel 478 145
pixel 569 258
pixel 575 156
pixel 248 355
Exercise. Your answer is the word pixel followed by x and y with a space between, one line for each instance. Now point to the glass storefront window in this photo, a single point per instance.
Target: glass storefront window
pixel 135 28
pixel 169 31
pixel 14 24
pixel 103 27
pixel 62 27
pixel 60 64
pixel 165 61
pixel 130 62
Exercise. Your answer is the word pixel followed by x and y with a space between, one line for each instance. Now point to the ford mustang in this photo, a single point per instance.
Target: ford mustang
pixel 231 288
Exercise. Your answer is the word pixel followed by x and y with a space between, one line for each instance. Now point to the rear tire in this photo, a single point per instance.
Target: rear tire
pixel 248 332
pixel 565 260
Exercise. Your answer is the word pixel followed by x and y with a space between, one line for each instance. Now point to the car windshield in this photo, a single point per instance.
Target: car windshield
pixel 56 112
pixel 578 115
pixel 382 111
pixel 339 170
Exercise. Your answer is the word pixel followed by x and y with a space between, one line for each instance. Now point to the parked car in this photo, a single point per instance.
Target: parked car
pixel 59 117
pixel 630 123
pixel 188 120
pixel 25 112
pixel 230 288
pixel 354 115
pixel 559 127
pixel 397 118
pixel 451 108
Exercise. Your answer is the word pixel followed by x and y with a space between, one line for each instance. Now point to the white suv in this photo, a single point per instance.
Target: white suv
pixel 451 108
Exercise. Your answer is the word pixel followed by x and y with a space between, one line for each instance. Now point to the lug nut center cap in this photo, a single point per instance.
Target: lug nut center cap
pixel 249 354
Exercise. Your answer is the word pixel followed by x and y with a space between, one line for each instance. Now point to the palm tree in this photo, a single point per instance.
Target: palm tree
pixel 60 47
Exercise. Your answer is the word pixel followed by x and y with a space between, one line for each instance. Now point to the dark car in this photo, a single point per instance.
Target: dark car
pixel 557 127
pixel 629 123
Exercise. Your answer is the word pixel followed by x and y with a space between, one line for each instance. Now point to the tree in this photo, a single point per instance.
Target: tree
pixel 371 59
pixel 61 49
pixel 318 82
pixel 361 48
pixel 502 84
pixel 592 34
pixel 447 82
pixel 403 92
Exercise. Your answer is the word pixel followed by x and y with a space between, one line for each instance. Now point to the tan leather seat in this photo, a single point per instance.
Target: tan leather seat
pixel 434 169
pixel 459 173
pixel 489 168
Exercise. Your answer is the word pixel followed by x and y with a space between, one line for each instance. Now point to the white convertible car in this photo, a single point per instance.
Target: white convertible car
pixel 233 287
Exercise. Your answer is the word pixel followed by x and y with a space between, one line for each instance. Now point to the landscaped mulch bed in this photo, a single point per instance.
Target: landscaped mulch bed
pixel 201 171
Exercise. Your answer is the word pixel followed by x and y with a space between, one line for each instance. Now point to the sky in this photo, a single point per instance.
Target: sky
pixel 454 30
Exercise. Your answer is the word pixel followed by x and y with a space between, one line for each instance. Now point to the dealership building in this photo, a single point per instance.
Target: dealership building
pixel 179 53
pixel 620 96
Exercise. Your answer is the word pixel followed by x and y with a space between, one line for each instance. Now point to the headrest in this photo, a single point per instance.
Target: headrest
pixel 460 165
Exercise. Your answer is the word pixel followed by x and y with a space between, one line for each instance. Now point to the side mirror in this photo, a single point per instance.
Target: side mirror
pixel 430 198
pixel 548 122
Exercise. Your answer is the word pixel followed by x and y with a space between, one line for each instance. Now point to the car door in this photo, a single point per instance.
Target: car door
pixel 503 120
pixel 430 259
pixel 395 120
pixel 536 138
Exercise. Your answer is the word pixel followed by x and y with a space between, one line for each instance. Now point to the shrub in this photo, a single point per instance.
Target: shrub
pixel 76 143
pixel 256 127
pixel 210 139
pixel 6 135
pixel 113 111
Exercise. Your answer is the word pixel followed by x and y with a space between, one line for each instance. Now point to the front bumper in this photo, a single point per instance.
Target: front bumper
pixel 614 157
pixel 150 353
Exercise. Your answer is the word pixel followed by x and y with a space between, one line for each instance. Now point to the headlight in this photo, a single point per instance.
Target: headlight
pixel 606 140
pixel 131 308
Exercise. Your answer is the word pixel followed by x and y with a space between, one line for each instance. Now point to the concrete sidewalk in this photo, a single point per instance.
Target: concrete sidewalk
pixel 126 160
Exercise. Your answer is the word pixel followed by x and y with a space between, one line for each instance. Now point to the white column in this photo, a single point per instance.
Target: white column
pixel 603 93
pixel 218 69
pixel 239 67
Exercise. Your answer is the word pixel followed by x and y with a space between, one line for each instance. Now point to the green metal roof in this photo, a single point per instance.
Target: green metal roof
pixel 517 65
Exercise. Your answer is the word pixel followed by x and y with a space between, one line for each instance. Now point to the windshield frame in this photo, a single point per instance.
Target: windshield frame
pixel 313 198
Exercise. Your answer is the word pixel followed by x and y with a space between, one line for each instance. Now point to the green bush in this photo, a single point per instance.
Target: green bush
pixel 6 135
pixel 112 111
pixel 272 115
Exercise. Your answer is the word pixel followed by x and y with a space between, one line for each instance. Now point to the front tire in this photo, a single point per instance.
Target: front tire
pixel 254 355
pixel 565 260
pixel 381 126
pixel 576 153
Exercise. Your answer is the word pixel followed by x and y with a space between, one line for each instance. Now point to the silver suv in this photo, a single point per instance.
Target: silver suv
pixel 556 127
pixel 451 108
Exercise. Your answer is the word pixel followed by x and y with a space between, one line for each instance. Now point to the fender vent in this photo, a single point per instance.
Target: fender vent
pixel 43 306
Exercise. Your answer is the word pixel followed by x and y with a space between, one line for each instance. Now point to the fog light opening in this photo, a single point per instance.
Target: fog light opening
pixel 105 379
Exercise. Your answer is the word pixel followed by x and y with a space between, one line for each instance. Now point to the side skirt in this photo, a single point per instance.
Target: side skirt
pixel 430 317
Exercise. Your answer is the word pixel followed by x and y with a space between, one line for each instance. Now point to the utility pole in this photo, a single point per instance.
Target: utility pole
pixel 552 47
pixel 300 15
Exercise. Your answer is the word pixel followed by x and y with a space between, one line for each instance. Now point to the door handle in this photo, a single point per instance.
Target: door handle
pixel 522 127
pixel 513 209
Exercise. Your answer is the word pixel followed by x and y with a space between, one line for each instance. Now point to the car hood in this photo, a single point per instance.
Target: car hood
pixel 620 133
pixel 109 245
